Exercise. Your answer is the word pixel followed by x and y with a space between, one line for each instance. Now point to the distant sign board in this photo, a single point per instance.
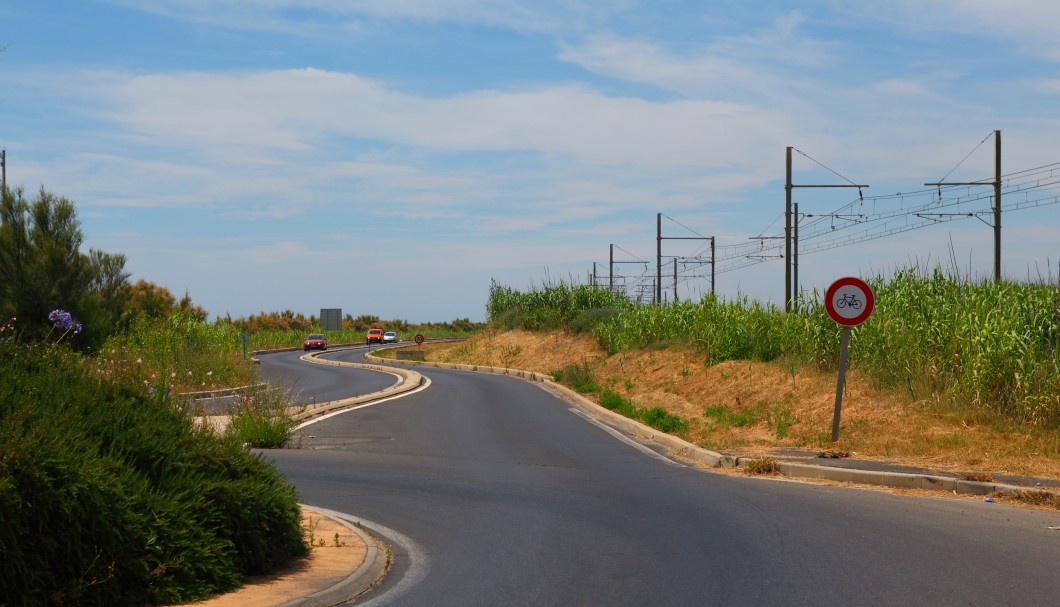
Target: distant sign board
pixel 331 319
pixel 419 338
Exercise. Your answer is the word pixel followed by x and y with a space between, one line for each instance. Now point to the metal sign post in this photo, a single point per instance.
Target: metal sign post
pixel 844 341
pixel 849 301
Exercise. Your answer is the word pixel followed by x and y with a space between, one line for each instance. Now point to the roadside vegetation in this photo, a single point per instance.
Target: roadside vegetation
pixel 947 374
pixel 110 495
pixel 276 330
pixel 111 491
pixel 973 346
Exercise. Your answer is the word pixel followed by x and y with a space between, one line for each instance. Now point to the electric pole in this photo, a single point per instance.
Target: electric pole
pixel 997 201
pixel 788 257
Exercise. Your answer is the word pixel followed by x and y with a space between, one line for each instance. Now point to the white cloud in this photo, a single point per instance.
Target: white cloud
pixel 276 252
pixel 314 17
pixel 1032 26
pixel 248 118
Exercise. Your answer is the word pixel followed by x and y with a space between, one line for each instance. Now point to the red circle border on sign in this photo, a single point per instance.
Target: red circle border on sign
pixel 870 301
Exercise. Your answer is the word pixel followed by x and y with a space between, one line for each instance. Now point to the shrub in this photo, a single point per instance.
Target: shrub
pixel 260 419
pixel 661 419
pixel 580 376
pixel 109 495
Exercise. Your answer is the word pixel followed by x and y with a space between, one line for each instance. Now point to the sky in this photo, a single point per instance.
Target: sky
pixel 395 158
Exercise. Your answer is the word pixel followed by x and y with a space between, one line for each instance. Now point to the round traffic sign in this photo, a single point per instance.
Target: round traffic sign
pixel 419 338
pixel 849 301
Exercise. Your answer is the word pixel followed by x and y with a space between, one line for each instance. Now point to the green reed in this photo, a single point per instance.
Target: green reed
pixel 970 344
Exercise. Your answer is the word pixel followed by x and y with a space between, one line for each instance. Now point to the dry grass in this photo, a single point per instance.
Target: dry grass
pixel 751 408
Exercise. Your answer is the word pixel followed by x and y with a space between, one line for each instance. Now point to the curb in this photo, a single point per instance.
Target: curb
pixel 712 459
pixel 363 579
pixel 407 381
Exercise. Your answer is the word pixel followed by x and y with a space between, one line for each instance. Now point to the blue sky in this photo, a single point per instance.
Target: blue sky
pixel 391 158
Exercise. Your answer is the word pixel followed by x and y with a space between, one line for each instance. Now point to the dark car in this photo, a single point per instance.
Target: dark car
pixel 315 341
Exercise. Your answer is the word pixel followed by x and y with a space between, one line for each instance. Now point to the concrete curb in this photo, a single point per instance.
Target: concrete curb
pixel 363 579
pixel 407 381
pixel 688 450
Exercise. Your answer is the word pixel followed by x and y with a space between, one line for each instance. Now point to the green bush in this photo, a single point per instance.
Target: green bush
pixel 110 496
pixel 580 376
pixel 661 419
pixel 618 404
pixel 260 418
pixel 656 417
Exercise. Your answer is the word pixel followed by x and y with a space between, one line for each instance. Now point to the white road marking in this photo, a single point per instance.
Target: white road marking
pixel 419 562
pixel 426 383
pixel 622 437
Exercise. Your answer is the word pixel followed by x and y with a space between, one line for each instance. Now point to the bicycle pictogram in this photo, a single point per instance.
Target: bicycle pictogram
pixel 848 300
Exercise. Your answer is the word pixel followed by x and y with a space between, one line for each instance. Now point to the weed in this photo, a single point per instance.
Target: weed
pixel 731 419
pixel 780 422
pixel 661 419
pixel 615 402
pixel 762 466
pixel 509 354
pixel 579 376
pixel 260 419
pixel 309 530
pixel 1034 498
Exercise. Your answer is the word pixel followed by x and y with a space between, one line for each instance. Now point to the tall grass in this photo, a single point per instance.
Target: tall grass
pixel 181 351
pixel 260 418
pixel 559 306
pixel 971 344
pixel 985 344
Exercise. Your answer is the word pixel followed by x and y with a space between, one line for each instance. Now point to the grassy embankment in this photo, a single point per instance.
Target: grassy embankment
pixel 947 374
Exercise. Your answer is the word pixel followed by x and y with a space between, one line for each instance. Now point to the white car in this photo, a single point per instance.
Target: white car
pixel 390 337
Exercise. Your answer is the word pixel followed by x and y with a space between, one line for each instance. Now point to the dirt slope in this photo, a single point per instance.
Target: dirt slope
pixel 745 408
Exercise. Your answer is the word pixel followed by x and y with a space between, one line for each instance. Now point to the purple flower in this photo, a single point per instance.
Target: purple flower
pixel 64 321
pixel 61 319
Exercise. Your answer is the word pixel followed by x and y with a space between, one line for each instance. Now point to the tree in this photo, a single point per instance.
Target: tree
pixel 146 299
pixel 43 269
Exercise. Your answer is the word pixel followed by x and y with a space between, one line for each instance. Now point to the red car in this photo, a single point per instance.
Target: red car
pixel 375 336
pixel 315 341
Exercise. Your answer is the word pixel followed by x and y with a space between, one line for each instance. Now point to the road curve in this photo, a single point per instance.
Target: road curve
pixel 498 494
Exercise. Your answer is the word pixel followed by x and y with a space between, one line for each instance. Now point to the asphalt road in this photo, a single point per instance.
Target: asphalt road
pixel 491 491
pixel 311 383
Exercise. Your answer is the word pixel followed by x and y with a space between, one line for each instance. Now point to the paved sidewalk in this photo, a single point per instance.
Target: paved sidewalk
pixel 343 563
pixel 852 462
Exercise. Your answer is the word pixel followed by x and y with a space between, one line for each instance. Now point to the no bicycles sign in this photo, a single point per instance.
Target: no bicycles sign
pixel 849 301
